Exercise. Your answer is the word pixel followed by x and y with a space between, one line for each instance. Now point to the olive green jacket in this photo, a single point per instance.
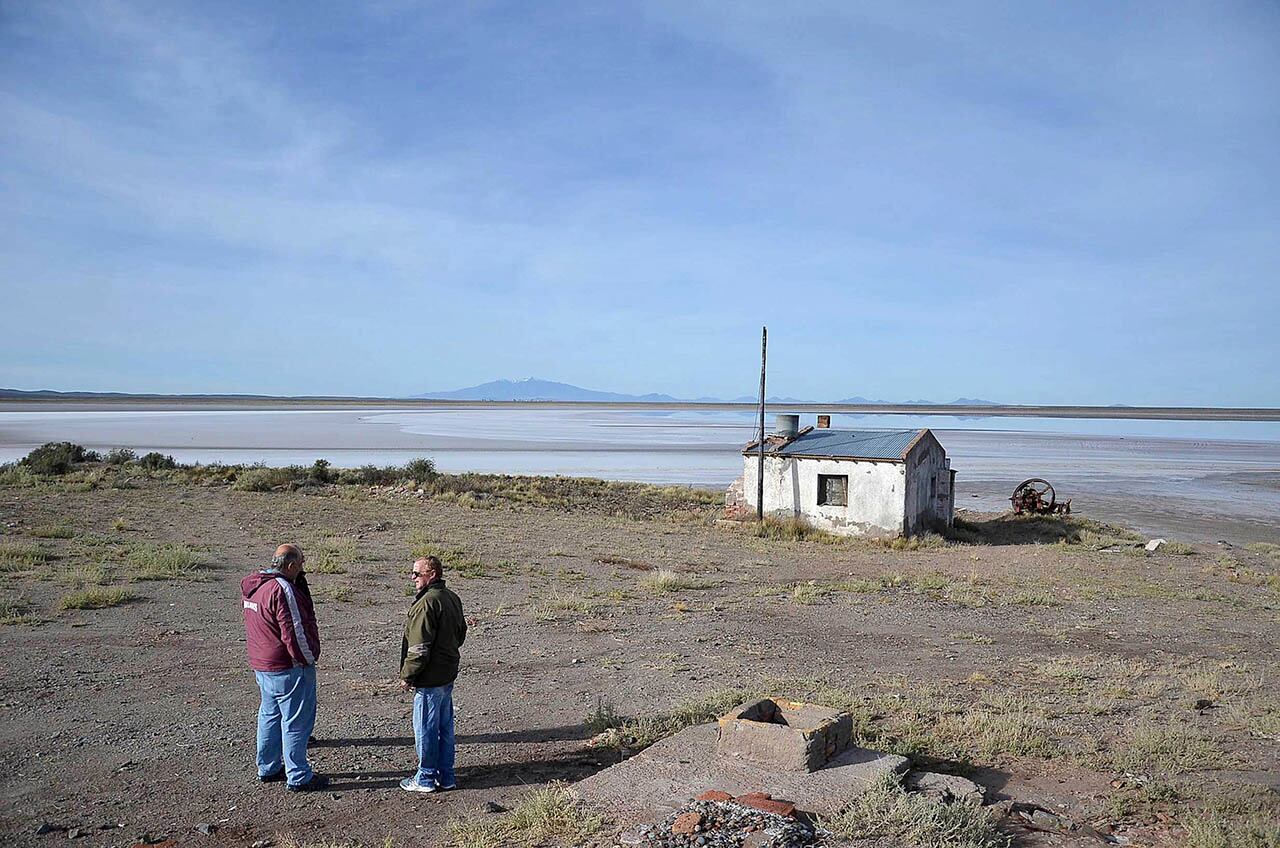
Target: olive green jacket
pixel 434 632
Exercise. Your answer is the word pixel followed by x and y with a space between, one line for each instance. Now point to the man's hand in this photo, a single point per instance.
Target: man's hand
pixel 405 687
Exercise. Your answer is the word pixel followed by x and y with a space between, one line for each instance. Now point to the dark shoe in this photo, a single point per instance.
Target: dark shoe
pixel 315 784
pixel 272 778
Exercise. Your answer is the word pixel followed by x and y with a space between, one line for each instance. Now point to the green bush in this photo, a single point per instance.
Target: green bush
pixel 421 470
pixel 120 456
pixel 320 472
pixel 156 461
pixel 57 457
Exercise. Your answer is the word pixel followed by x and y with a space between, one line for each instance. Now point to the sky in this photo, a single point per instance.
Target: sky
pixel 1035 202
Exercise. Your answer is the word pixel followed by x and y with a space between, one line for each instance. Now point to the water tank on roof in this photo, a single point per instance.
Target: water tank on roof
pixel 787 425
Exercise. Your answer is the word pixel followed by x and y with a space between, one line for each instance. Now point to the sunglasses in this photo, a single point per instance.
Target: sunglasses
pixel 416 574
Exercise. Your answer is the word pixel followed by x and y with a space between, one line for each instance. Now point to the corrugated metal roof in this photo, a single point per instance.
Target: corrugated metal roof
pixel 857 444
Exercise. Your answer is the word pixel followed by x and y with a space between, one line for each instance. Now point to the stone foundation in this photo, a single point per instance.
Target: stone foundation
pixel 785 735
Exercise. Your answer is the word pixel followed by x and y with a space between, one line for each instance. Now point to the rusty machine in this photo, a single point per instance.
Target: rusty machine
pixel 1036 497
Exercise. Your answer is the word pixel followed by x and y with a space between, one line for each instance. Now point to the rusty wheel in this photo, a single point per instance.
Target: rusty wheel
pixel 1034 495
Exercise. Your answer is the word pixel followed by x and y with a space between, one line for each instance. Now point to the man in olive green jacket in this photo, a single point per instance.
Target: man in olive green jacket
pixel 428 666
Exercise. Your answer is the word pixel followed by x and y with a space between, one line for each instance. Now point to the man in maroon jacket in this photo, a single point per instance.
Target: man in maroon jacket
pixel 283 643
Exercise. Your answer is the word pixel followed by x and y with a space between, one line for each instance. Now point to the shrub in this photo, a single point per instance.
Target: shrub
pixel 320 472
pixel 262 479
pixel 156 461
pixel 421 470
pixel 369 475
pixel 57 457
pixel 120 456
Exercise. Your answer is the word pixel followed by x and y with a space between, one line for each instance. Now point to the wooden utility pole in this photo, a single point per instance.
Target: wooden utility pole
pixel 764 346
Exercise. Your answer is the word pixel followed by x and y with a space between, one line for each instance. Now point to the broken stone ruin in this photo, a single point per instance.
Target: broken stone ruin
pixel 757 777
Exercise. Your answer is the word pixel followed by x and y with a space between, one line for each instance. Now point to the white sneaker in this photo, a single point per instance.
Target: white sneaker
pixel 411 784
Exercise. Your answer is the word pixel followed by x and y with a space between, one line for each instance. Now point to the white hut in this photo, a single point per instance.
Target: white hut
pixel 851 482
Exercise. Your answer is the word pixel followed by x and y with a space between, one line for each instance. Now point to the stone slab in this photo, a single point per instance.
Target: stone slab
pixel 666 776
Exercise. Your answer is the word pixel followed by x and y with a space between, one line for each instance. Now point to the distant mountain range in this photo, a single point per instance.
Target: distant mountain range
pixel 533 388
pixel 529 389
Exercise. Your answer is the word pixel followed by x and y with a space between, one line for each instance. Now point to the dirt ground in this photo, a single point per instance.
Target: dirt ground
pixel 1136 693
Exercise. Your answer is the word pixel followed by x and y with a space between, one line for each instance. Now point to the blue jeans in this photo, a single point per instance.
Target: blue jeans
pixel 433 733
pixel 285 721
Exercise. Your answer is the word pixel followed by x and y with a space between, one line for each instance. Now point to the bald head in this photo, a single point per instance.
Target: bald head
pixel 289 559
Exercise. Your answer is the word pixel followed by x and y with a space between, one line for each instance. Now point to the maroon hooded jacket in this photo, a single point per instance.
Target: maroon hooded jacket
pixel 279 622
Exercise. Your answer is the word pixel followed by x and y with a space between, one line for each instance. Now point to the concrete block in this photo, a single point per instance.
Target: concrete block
pixel 665 776
pixel 785 735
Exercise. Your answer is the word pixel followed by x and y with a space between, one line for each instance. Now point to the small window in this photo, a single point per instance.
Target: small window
pixel 933 488
pixel 833 490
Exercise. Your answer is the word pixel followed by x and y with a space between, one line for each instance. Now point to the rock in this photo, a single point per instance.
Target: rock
pixel 262 843
pixel 1154 545
pixel 205 828
pixel 715 795
pixel 75 833
pixel 1046 820
pixel 493 807
pixel 946 787
pixel 45 828
pixel 686 823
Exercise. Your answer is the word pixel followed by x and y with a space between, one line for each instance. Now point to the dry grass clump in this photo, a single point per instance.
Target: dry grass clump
pixel 52 531
pixel 96 598
pixel 809 592
pixel 559 606
pixel 330 592
pixel 1258 715
pixel 971 591
pixel 15 611
pixel 456 560
pixel 548 815
pixel 162 561
pixel 19 556
pixel 636 733
pixel 923 723
pixel 291 841
pixel 332 555
pixel 82 574
pixel 665 580
pixel 922 542
pixel 887 811
pixel 793 529
pixel 1237 816
pixel 1167 748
